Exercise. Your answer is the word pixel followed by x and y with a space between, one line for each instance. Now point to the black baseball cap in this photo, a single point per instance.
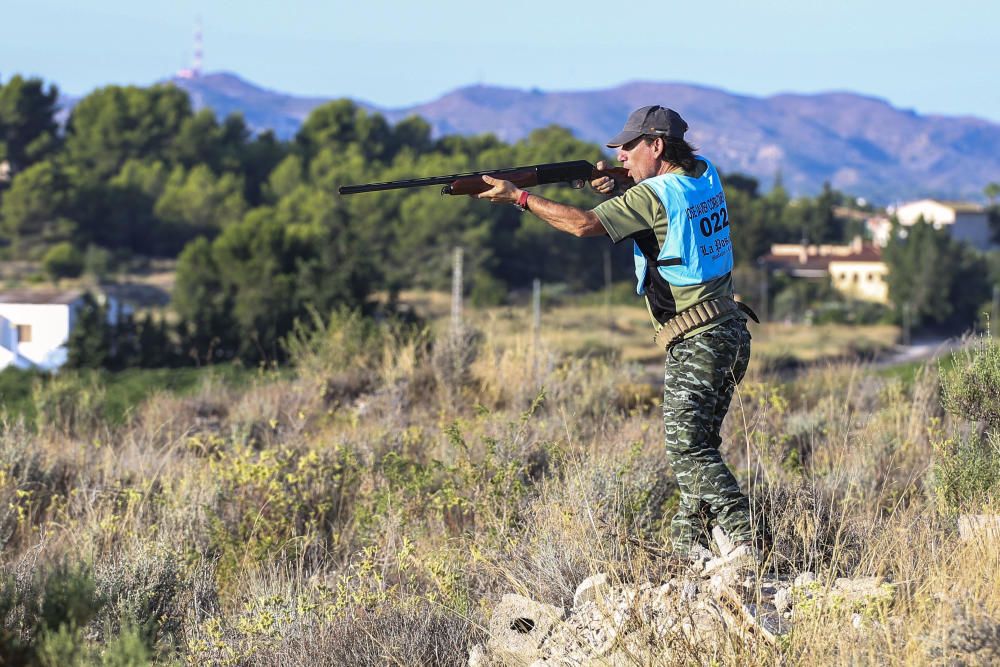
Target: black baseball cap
pixel 650 120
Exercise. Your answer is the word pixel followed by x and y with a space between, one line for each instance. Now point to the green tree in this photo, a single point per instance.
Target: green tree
pixel 36 209
pixel 992 191
pixel 198 202
pixel 63 260
pixel 90 340
pixel 336 124
pixel 119 213
pixel 259 158
pixel 814 219
pixel 747 212
pixel 201 140
pixel 241 293
pixel 204 302
pixel 941 280
pixel 115 124
pixel 285 178
pixel 28 127
pixel 155 346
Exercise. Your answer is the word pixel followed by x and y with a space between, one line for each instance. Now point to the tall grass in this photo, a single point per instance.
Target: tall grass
pixel 372 507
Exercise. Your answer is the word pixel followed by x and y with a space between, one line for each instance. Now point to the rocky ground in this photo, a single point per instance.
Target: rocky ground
pixel 714 602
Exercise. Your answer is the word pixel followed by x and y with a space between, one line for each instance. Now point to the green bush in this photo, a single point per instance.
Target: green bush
pixel 42 611
pixel 69 402
pixel 63 260
pixel 488 290
pixel 97 261
pixel 967 467
pixel 970 388
pixel 966 471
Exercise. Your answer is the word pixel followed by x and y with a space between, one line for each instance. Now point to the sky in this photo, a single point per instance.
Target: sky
pixel 938 57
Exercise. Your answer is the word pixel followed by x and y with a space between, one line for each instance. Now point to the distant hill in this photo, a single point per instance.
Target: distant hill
pixel 861 145
pixel 263 109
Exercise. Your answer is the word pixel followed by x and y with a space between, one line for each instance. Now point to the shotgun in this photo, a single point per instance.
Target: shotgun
pixel 576 173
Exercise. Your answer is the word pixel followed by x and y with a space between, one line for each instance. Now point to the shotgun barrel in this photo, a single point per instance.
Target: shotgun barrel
pixel 575 172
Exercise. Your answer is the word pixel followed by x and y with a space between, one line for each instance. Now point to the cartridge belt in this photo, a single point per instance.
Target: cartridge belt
pixel 673 330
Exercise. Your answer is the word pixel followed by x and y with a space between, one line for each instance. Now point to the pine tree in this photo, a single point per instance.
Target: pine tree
pixel 89 343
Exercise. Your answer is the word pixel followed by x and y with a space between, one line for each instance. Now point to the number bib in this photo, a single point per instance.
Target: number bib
pixel 697 248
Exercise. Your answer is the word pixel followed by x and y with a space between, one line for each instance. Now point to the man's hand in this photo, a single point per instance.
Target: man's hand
pixel 606 185
pixel 502 192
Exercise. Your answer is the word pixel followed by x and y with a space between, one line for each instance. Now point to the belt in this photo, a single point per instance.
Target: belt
pixel 697 316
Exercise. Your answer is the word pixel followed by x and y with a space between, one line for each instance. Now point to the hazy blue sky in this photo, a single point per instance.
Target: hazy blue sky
pixel 938 57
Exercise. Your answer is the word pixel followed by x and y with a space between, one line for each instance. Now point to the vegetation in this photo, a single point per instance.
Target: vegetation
pixel 941 281
pixel 370 501
pixel 260 232
pixel 375 504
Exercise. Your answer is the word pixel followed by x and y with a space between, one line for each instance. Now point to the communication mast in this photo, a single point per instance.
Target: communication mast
pixel 195 70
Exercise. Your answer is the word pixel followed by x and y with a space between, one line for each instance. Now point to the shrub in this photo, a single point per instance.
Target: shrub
pixel 970 388
pixel 63 260
pixel 97 262
pixel 43 611
pixel 967 466
pixel 452 357
pixel 69 402
pixel 145 594
pixel 966 470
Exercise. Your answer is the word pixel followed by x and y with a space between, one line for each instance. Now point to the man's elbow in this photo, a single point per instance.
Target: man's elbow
pixel 590 225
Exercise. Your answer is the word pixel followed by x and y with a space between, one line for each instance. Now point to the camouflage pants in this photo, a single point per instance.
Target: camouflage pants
pixel 700 376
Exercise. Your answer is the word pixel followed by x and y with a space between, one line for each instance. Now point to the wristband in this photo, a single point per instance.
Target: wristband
pixel 522 200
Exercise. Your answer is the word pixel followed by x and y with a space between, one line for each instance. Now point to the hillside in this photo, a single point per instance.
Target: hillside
pixel 862 145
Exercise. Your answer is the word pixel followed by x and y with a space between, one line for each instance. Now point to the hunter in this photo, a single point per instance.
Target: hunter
pixel 673 208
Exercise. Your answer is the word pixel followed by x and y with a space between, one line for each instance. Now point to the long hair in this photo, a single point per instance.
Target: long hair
pixel 676 151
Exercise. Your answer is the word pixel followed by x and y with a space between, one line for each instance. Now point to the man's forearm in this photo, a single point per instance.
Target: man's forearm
pixel 565 218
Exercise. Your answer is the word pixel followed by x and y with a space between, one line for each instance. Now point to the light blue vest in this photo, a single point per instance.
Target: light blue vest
pixel 697 248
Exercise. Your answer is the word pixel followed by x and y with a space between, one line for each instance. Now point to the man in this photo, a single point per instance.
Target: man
pixel 673 208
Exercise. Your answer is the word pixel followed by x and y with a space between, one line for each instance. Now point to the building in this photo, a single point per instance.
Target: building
pixel 35 326
pixel 965 222
pixel 855 269
pixel 879 229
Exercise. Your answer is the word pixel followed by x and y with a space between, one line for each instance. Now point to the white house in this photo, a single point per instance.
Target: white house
pixel 35 325
pixel 964 222
pixel 40 322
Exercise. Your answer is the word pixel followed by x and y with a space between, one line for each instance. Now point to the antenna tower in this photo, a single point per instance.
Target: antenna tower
pixel 194 71
pixel 198 49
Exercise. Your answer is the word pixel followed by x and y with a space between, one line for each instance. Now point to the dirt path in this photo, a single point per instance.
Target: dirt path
pixel 920 350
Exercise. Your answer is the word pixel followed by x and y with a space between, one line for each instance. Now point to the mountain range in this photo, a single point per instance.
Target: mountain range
pixel 859 144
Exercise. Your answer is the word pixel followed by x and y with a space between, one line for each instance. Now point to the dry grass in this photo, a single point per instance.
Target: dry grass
pixel 625 331
pixel 372 509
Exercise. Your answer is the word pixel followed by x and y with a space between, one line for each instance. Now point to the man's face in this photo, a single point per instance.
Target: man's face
pixel 641 158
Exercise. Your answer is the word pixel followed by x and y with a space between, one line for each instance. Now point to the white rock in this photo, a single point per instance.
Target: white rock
pixel 783 599
pixel 985 527
pixel 689 591
pixel 859 586
pixel 517 628
pixel 477 656
pixel 804 579
pixel 722 540
pixel 592 589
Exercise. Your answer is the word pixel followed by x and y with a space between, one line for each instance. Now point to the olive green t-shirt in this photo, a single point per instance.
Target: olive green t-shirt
pixel 639 211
